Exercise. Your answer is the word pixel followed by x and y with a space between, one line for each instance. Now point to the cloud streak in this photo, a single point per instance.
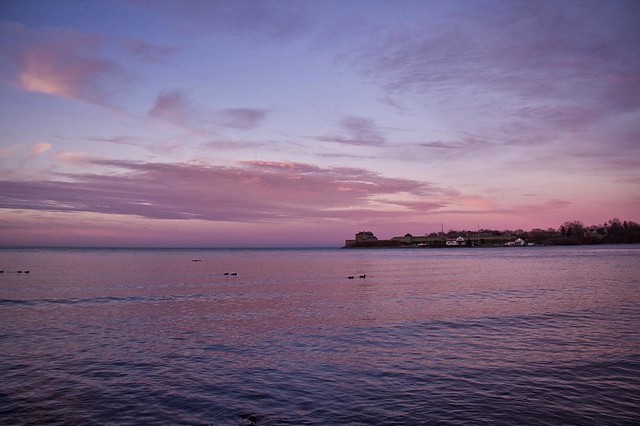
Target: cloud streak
pixel 253 192
pixel 531 57
pixel 359 131
pixel 148 52
pixel 175 107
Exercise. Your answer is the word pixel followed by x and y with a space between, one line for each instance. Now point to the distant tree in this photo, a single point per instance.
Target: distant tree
pixel 622 231
pixel 633 232
pixel 573 230
pixel 539 236
pixel 615 227
pixel 575 225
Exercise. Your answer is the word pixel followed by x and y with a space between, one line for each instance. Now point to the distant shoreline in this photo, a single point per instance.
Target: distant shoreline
pixel 486 246
pixel 571 235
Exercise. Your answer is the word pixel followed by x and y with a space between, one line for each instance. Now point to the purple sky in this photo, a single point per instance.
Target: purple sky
pixel 300 123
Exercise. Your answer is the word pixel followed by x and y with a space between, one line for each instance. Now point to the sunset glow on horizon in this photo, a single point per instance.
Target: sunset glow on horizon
pixel 299 123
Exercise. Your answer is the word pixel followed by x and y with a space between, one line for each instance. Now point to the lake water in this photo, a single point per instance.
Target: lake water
pixel 546 335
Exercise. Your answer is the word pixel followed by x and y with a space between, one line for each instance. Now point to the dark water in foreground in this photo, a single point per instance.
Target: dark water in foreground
pixel 458 336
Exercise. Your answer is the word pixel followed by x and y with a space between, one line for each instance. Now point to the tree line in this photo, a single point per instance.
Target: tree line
pixel 569 233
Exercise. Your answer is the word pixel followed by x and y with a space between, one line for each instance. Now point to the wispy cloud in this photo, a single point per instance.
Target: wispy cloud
pixel 148 52
pixel 254 191
pixel 40 148
pixel 58 62
pixel 76 158
pixel 175 107
pixel 357 131
pixel 469 143
pixel 118 140
pixel 563 54
pixel 465 145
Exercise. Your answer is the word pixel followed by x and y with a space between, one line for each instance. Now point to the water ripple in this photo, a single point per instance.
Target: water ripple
pixel 294 343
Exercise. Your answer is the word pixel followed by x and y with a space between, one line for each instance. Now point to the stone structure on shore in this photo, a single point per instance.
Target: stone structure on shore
pixel 366 239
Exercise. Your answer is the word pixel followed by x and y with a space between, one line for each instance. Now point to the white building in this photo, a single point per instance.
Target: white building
pixel 455 242
pixel 519 242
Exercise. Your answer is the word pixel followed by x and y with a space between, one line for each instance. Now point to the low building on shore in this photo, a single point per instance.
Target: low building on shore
pixel 518 242
pixel 362 239
pixel 366 239
pixel 460 241
pixel 366 236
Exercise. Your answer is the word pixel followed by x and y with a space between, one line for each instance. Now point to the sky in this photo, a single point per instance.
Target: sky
pixel 299 123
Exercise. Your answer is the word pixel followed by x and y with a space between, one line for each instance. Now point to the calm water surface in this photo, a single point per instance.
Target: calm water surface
pixel 450 336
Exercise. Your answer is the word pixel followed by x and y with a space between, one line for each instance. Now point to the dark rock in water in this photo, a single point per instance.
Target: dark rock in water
pixel 234 273
pixel 226 273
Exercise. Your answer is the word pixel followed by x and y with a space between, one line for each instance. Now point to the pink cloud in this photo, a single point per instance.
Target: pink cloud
pixel 58 62
pixel 258 203
pixel 254 192
pixel 40 148
pixel 174 107
pixel 76 158
pixel 60 74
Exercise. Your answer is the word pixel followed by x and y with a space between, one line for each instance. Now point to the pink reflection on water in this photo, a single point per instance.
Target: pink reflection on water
pixel 165 295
